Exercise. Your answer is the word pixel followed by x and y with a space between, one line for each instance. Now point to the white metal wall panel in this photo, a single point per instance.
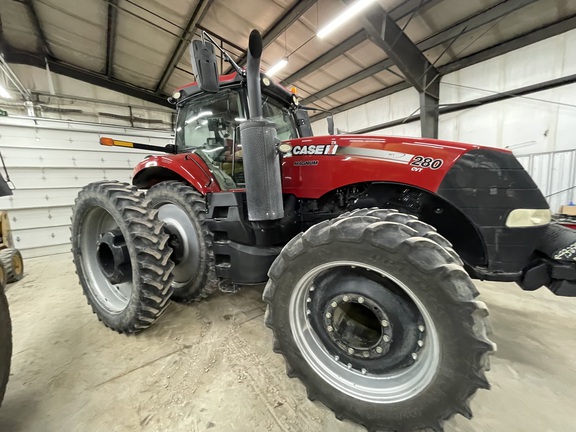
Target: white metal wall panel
pixel 555 175
pixel 540 122
pixel 49 161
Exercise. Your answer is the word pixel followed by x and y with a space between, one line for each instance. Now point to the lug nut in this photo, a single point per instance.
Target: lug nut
pixel 333 304
pixel 360 300
pixel 363 371
pixel 385 323
pixel 366 354
pixel 350 351
pixel 421 328
pixel 414 356
pixel 336 358
pixel 308 312
pixel 346 298
pixel 328 315
pixel 386 338
pixel 349 365
pixel 308 300
pixel 312 288
pixel 330 328
pixel 379 350
pixel 420 343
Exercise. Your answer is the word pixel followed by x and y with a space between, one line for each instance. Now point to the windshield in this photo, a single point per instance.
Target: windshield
pixel 209 125
pixel 210 122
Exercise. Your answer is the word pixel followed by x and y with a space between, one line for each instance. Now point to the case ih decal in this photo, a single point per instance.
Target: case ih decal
pixel 328 149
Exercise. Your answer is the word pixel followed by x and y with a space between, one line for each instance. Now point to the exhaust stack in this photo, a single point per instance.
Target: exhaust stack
pixel 258 136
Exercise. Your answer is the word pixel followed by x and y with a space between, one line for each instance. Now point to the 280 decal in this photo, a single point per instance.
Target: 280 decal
pixel 426 162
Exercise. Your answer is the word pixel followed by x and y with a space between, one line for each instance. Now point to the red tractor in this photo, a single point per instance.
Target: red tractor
pixel 367 244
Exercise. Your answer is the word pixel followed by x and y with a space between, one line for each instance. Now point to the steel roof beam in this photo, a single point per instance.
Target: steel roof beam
pixel 386 34
pixel 399 12
pixel 12 55
pixel 183 43
pixel 42 42
pixel 503 48
pixel 418 71
pixel 464 26
pixel 111 36
pixel 285 21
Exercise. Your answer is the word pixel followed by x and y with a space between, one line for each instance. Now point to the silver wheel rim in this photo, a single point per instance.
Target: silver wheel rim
pixel 112 297
pixel 177 220
pixel 387 388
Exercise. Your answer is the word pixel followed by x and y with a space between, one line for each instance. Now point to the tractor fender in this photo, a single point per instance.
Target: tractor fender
pixel 187 167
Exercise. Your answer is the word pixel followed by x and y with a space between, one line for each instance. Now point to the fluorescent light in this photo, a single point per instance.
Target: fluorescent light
pixel 347 14
pixel 240 119
pixel 277 67
pixel 4 93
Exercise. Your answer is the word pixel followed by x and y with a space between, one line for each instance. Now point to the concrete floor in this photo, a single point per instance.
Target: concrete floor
pixel 211 367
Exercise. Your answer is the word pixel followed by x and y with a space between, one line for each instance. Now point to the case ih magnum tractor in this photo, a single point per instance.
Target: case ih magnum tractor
pixel 367 244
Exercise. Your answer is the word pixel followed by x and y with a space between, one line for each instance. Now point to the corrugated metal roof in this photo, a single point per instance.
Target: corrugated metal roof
pixel 146 34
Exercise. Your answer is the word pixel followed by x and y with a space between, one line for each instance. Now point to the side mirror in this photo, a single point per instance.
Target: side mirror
pixel 205 66
pixel 303 123
pixel 330 120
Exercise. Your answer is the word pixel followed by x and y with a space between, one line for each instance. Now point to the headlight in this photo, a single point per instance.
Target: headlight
pixel 528 218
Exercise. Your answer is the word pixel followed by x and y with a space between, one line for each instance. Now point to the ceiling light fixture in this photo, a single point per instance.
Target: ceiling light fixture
pixel 277 67
pixel 347 14
pixel 4 93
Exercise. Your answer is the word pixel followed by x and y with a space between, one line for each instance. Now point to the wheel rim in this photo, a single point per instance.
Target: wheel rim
pixel 391 387
pixel 186 248
pixel 112 297
pixel 17 264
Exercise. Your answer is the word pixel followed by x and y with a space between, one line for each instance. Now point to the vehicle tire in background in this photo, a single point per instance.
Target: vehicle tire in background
pixel 13 263
pixel 3 277
pixel 5 344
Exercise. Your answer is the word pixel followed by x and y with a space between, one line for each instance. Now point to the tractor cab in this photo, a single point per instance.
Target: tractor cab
pixel 208 124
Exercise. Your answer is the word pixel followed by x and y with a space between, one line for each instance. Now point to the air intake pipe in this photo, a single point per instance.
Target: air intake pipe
pixel 258 137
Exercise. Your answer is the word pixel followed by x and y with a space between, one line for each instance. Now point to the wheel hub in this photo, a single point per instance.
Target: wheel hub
pixel 358 326
pixel 113 257
pixel 365 325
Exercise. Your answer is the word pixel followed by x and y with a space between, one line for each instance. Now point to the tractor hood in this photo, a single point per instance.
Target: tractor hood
pixel 360 158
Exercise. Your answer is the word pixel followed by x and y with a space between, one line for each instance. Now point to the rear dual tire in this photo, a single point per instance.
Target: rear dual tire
pixel 405 272
pixel 183 211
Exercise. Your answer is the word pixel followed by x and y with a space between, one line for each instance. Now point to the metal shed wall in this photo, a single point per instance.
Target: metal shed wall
pixel 539 122
pixel 49 161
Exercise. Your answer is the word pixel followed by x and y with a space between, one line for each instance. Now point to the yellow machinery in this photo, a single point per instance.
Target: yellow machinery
pixel 10 257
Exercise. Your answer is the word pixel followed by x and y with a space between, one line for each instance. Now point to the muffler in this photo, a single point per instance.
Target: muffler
pixel 258 137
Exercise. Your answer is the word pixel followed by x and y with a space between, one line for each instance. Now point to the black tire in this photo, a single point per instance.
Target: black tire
pixel 13 264
pixel 5 344
pixel 383 245
pixel 131 306
pixel 183 211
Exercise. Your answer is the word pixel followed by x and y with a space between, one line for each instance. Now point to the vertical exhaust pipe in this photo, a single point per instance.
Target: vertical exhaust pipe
pixel 258 137
pixel 253 75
